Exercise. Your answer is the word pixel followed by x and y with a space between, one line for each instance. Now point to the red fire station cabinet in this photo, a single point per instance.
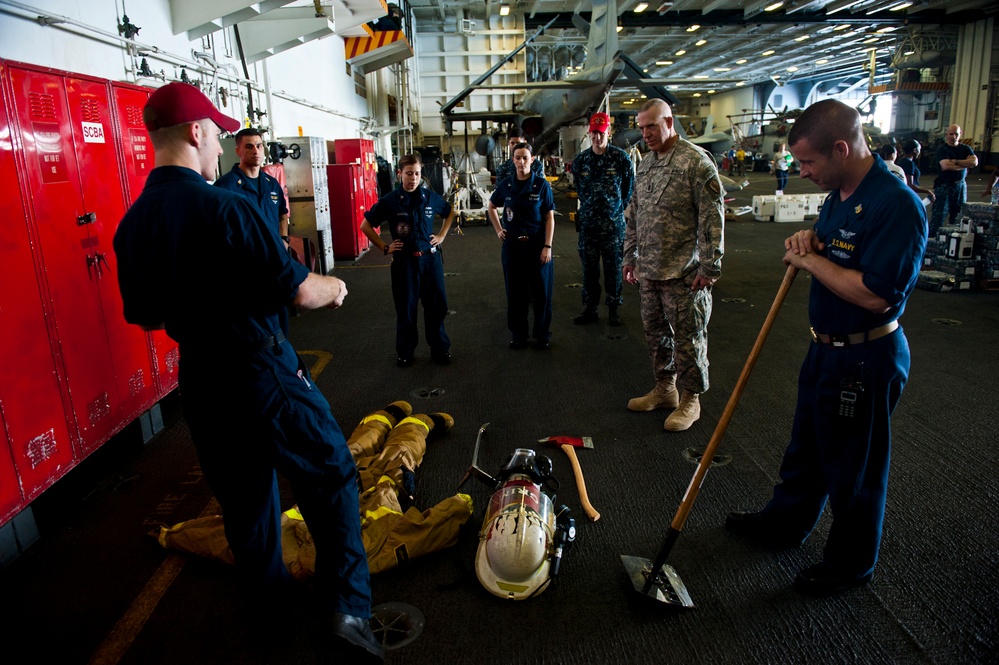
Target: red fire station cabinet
pixel 347 210
pixel 75 372
pixel 360 151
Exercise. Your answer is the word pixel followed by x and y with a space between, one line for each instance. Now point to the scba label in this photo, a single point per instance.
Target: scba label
pixel 93 132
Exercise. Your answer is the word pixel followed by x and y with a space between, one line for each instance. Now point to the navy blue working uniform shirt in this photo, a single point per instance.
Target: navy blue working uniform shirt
pixel 410 216
pixel 265 191
pixel 525 204
pixel 200 259
pixel 879 230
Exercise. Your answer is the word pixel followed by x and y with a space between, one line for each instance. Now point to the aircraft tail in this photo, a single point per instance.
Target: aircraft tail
pixel 709 125
pixel 601 46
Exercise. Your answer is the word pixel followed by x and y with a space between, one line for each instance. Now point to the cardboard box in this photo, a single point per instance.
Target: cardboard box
pixel 790 210
pixel 764 207
pixel 961 245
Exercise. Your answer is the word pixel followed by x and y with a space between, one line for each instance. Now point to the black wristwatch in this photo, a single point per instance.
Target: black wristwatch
pixel 385 249
pixel 286 238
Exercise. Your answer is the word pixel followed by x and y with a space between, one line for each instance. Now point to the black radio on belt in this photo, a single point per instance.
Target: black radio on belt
pixel 851 392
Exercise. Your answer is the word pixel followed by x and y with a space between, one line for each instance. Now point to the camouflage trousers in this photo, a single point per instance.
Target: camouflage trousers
pixel 601 242
pixel 675 320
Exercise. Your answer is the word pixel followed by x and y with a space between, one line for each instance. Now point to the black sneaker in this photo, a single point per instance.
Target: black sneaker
pixel 356 632
pixel 613 317
pixel 518 344
pixel 589 315
pixel 442 358
pixel 403 362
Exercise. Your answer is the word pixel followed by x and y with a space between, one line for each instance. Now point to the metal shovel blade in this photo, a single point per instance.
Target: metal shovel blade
pixel 667 587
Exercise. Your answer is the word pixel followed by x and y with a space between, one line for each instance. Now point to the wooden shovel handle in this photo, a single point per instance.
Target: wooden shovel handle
pixel 590 511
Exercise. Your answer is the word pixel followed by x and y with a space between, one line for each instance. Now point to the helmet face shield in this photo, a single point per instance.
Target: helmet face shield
pixel 516 540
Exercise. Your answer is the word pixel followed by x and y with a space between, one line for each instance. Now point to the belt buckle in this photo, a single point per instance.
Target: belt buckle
pixel 417 253
pixel 523 238
pixel 839 341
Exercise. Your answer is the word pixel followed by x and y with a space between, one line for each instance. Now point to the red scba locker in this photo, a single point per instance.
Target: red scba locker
pixel 75 372
pixel 353 182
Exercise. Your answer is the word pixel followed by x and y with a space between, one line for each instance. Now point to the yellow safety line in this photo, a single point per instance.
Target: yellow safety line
pixel 323 359
pixel 118 641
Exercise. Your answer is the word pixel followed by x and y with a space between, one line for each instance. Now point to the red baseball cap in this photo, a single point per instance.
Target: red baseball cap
pixel 177 103
pixel 599 122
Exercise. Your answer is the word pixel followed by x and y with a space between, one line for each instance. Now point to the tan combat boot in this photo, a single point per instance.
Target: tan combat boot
pixel 686 413
pixel 663 395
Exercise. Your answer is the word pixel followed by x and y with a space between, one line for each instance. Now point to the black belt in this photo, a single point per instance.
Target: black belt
pixel 270 342
pixel 855 338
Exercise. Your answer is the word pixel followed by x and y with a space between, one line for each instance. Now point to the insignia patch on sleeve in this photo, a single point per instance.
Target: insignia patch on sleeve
pixel 714 185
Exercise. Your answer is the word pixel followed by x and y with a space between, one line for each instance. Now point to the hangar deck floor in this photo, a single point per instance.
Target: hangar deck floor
pixel 97 589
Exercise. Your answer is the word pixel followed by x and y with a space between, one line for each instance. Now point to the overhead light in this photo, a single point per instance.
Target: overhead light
pixel 645 71
pixel 870 41
pixel 701 42
pixel 900 6
pixel 792 68
pixel 741 62
pixel 801 39
pixel 889 28
pixel 841 26
pixel 711 92
pixel 823 61
pixel 909 53
pixel 620 28
pixel 723 69
pixel 504 9
pixel 702 76
pixel 770 52
pixel 680 52
pixel 775 76
pixel 693 28
pixel 841 6
pixel 774 7
pixel 697 94
pixel 641 7
pixel 663 63
pixel 741 83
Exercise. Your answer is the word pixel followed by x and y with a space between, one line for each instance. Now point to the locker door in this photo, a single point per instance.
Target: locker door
pixel 138 162
pixel 36 438
pixel 66 249
pixel 103 194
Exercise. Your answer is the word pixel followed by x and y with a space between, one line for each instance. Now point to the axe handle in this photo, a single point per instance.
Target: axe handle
pixel 590 511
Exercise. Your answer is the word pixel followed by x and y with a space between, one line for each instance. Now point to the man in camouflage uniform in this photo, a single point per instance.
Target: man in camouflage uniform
pixel 673 248
pixel 604 181
pixel 506 169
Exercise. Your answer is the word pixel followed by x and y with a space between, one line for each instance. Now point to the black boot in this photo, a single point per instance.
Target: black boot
pixel 613 317
pixel 589 315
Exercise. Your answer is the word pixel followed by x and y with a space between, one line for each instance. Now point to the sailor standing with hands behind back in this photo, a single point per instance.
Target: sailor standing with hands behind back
pixel 526 232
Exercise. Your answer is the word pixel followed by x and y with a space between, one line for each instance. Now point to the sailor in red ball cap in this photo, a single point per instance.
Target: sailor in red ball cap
pixel 604 180
pixel 202 263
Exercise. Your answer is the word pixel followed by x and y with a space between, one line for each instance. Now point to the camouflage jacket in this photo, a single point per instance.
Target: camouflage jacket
pixel 676 221
pixel 604 183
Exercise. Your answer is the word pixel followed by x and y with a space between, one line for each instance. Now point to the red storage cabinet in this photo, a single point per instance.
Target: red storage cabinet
pixel 360 151
pixel 73 155
pixel 136 161
pixel 347 210
pixel 35 444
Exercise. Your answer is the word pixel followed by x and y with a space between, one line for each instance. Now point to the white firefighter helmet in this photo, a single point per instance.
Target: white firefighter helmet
pixel 515 544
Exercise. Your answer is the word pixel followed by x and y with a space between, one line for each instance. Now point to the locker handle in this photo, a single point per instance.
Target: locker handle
pixel 101 258
pixel 86 218
pixel 92 263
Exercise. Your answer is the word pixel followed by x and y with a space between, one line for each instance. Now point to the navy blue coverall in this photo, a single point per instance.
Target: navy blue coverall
pixel 842 454
pixel 525 205
pixel 202 261
pixel 265 191
pixel 417 269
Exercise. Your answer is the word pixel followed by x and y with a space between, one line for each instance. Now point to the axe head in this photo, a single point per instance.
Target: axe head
pixel 574 441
